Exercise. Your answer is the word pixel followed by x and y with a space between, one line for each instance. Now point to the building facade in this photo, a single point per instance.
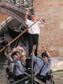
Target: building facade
pixel 52 33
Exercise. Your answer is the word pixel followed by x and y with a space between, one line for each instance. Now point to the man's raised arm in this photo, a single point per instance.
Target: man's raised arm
pixel 27 12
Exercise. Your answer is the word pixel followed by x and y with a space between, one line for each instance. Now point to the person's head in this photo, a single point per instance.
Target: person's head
pixel 23 57
pixel 33 17
pixel 15 55
pixel 19 52
pixel 44 57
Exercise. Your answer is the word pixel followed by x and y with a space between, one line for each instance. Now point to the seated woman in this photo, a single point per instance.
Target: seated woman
pixel 12 57
pixel 42 65
pixel 11 62
pixel 18 48
pixel 20 67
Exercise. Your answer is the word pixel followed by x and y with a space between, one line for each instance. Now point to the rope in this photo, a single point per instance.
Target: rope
pixel 19 35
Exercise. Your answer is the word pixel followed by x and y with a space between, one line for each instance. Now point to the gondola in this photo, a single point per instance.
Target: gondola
pixel 28 78
pixel 25 80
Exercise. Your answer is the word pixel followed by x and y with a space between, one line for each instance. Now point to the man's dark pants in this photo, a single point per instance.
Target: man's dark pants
pixel 33 39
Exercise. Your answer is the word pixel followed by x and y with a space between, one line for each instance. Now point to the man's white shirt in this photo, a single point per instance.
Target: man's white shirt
pixel 35 29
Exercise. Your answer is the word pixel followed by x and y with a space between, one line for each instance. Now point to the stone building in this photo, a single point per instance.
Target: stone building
pixel 52 33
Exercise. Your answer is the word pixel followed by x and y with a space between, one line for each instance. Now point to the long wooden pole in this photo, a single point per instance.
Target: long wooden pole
pixel 32 76
pixel 19 35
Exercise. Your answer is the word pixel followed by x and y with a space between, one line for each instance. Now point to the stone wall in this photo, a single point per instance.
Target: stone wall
pixel 52 33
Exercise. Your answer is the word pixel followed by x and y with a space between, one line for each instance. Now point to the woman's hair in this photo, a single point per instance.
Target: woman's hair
pixel 19 51
pixel 14 53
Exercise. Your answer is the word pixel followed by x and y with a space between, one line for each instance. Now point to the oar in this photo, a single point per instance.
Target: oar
pixel 20 35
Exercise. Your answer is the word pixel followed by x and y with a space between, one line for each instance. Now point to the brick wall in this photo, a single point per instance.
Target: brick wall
pixel 3 17
pixel 52 33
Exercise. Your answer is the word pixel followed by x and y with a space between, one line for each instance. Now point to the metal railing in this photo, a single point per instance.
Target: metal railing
pixel 14 2
pixel 20 2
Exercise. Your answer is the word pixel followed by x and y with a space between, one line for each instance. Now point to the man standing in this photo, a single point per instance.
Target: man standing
pixel 33 32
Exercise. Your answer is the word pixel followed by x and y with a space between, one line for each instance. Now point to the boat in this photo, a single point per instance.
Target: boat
pixel 28 78
pixel 25 80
